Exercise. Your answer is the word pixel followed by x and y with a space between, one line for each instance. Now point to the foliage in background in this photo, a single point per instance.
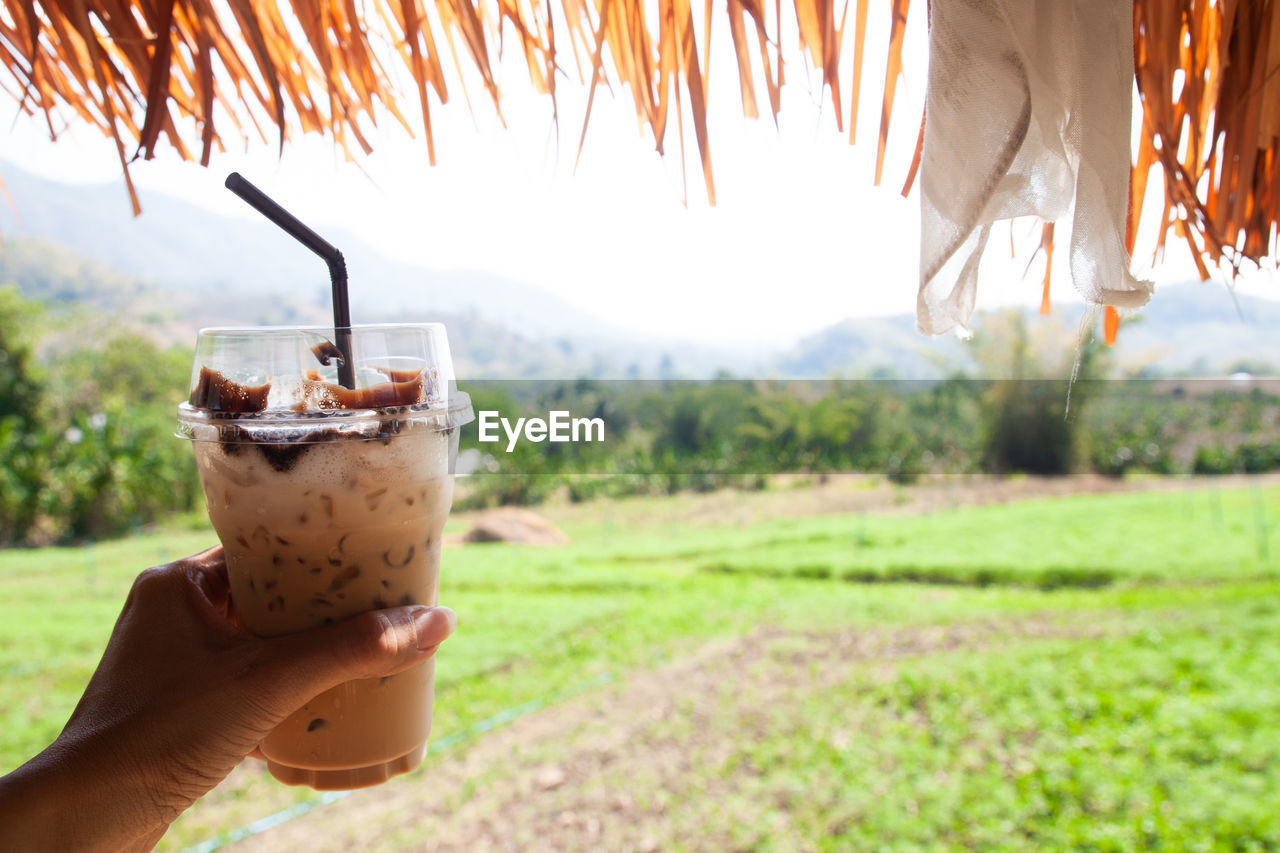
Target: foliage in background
pixel 666 436
pixel 87 408
pixel 1026 421
pixel 20 395
pixel 86 431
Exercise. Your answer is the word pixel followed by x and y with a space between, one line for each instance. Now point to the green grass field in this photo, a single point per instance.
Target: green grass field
pixel 1140 709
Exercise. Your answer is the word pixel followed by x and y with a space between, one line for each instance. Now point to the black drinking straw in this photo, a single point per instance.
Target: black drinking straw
pixel 313 241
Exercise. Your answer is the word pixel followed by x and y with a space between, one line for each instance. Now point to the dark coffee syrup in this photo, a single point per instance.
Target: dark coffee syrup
pixel 405 388
pixel 215 392
pixel 326 351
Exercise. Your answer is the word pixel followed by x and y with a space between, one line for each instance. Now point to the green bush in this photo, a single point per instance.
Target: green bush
pixel 86 439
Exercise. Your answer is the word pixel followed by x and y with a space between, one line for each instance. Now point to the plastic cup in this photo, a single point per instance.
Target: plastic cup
pixel 329 502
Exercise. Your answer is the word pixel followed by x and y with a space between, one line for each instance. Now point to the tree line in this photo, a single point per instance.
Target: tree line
pixel 87 449
pixel 666 437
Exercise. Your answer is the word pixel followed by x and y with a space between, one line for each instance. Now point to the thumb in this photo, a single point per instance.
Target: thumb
pixel 368 645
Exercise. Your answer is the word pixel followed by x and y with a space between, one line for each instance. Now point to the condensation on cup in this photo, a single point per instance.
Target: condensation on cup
pixel 330 501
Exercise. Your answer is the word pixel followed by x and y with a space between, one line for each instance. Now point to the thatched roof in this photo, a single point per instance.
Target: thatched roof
pixel 189 72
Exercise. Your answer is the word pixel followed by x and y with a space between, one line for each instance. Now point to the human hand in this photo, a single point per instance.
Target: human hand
pixel 180 697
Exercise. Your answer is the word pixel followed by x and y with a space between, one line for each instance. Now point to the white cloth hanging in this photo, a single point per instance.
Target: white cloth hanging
pixel 1028 112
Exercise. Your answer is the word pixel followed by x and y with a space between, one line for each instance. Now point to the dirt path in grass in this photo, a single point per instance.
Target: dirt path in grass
pixel 628 766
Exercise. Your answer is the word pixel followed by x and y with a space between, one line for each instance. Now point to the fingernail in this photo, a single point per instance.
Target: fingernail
pixel 422 617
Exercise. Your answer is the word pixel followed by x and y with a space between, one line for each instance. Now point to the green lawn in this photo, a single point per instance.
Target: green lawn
pixel 1164 738
pixel 1163 732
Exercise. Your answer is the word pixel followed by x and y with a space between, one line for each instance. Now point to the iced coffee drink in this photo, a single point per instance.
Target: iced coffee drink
pixel 331 501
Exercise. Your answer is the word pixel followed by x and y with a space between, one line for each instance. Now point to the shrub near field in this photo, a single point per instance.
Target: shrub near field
pixel 86 433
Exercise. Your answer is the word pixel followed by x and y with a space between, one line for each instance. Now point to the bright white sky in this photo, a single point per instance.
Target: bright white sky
pixel 799 240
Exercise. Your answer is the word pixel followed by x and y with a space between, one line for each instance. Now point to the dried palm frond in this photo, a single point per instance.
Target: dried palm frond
pixel 183 70
pixel 1209 78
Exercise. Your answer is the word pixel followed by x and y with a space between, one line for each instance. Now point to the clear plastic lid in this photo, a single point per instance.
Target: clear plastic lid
pixel 276 383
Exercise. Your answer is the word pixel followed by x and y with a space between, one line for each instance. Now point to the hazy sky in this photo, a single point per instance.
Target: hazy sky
pixel 799 238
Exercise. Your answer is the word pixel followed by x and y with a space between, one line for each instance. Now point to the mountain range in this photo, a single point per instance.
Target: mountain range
pixel 179 267
pixel 190 249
